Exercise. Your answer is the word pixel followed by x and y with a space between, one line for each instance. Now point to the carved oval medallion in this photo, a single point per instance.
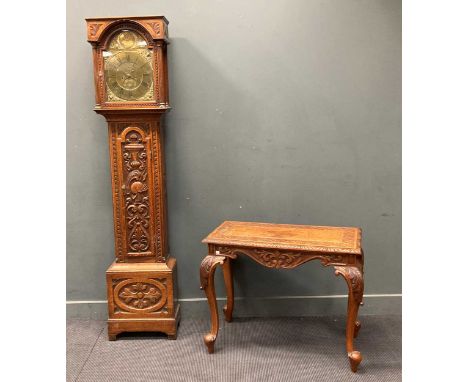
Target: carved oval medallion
pixel 140 295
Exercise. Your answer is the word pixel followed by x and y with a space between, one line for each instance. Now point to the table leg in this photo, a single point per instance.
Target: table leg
pixel 228 281
pixel 207 271
pixel 360 265
pixel 357 326
pixel 355 281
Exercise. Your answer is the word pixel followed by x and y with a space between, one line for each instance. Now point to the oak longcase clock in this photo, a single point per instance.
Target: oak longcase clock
pixel 131 86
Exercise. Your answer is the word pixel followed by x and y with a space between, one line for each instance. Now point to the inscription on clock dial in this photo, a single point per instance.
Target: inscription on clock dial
pixel 128 68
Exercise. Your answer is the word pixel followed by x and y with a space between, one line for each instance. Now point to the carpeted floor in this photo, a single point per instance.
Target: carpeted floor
pixel 248 349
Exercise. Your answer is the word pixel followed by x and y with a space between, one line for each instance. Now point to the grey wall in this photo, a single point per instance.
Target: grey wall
pixel 283 111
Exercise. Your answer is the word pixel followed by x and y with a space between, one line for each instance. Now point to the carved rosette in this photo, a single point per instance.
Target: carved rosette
pixel 140 295
pixel 276 258
pixel 354 279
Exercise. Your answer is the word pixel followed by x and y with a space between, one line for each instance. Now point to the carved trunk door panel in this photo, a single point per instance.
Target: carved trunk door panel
pixel 136 189
pixel 138 192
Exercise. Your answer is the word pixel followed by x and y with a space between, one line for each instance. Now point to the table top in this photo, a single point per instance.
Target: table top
pixel 287 236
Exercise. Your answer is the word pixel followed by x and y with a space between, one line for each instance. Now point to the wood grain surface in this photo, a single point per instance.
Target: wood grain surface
pixel 287 236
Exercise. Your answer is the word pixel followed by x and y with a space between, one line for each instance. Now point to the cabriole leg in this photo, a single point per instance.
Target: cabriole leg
pixel 357 326
pixel 207 270
pixel 354 279
pixel 228 281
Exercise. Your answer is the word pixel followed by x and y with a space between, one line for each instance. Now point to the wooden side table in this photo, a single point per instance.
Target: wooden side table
pixel 285 246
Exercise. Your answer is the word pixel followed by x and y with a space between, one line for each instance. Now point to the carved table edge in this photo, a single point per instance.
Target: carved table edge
pixel 283 258
pixel 303 248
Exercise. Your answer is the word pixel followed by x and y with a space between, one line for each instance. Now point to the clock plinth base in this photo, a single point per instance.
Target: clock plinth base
pixel 142 298
pixel 161 325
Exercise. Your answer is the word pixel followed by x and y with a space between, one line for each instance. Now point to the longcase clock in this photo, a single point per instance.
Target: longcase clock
pixel 131 86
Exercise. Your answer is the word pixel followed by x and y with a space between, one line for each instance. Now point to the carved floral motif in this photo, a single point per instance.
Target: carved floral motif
pixel 140 295
pixel 137 208
pixel 139 191
pixel 275 258
pixel 156 27
pixel 94 28
pixel 353 277
pixel 334 258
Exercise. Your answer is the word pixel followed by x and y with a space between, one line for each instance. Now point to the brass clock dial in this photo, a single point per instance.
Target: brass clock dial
pixel 128 69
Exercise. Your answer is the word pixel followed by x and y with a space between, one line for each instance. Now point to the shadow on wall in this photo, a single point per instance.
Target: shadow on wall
pixel 203 185
pixel 200 183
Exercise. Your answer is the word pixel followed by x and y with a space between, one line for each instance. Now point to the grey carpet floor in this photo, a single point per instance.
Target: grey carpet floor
pixel 247 349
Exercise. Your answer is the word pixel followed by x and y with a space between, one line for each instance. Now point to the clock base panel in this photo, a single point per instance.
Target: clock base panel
pixel 141 297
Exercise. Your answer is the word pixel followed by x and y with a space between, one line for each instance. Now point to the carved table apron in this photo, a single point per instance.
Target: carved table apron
pixel 285 246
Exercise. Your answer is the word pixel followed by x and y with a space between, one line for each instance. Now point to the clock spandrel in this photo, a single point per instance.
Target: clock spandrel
pixel 128 68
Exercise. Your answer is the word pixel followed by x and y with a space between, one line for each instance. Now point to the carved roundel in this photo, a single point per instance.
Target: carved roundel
pixel 140 295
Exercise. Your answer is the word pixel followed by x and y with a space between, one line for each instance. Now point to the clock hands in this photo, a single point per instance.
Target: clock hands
pixel 129 74
pixel 132 75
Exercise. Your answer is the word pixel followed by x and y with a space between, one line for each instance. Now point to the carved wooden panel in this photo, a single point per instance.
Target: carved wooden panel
pixel 155 25
pixel 93 29
pixel 138 191
pixel 274 258
pixel 133 150
pixel 142 295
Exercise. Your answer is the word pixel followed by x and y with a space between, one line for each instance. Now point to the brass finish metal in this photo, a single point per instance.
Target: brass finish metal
pixel 127 68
